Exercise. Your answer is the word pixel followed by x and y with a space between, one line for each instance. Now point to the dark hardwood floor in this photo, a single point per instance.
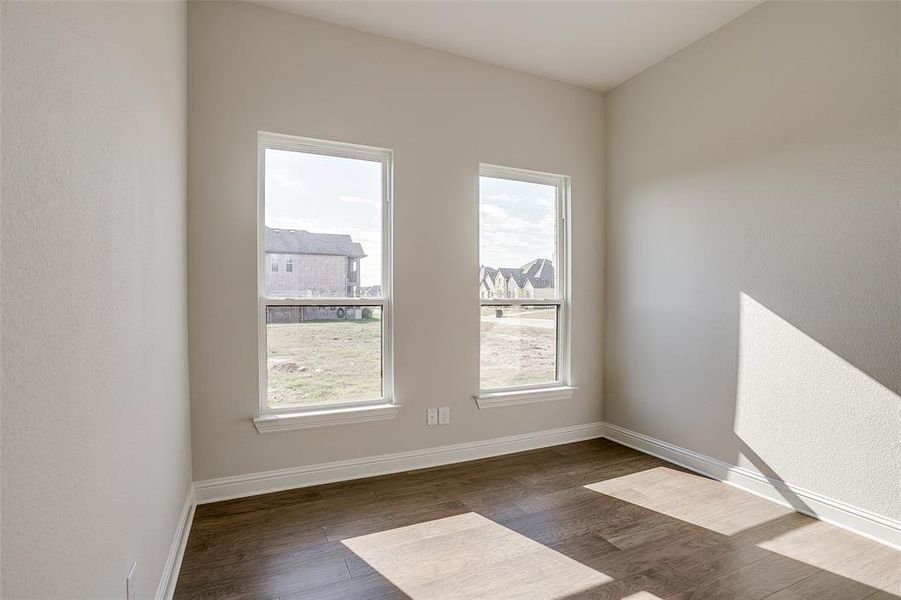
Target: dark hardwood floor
pixel 587 520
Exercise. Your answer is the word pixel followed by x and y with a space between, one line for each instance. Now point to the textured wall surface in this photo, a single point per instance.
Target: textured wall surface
pixel 252 68
pixel 96 449
pixel 754 248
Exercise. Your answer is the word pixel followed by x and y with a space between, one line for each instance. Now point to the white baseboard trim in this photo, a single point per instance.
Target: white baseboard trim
pixel 214 490
pixel 171 568
pixel 876 527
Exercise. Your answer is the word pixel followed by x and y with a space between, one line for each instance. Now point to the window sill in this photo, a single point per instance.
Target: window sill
pixel 275 422
pixel 511 398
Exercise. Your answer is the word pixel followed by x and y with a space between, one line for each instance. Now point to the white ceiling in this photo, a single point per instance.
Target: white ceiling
pixel 592 43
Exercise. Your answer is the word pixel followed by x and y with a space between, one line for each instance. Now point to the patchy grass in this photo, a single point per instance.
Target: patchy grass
pixel 333 361
pixel 324 361
pixel 514 353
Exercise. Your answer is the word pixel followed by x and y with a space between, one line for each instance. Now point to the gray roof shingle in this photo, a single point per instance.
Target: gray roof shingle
pixel 486 275
pixel 298 241
pixel 539 271
pixel 518 276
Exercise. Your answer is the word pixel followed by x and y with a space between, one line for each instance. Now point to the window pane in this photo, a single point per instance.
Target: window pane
pixel 518 346
pixel 325 214
pixel 517 239
pixel 323 354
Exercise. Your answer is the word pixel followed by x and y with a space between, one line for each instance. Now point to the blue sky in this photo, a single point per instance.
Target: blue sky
pixel 516 222
pixel 328 194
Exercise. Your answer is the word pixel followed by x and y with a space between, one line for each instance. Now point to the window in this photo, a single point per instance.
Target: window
pixel 524 342
pixel 325 207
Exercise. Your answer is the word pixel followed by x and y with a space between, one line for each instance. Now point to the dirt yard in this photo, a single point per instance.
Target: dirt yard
pixel 331 361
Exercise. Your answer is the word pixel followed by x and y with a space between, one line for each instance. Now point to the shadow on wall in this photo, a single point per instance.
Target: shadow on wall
pixel 806 416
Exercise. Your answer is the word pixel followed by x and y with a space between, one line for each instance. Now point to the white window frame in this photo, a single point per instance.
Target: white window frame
pixel 272 419
pixel 562 388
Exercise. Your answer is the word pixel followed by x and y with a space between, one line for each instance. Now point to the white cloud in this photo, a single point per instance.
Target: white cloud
pixel 512 241
pixel 356 200
pixel 311 225
pixel 327 194
pixel 492 212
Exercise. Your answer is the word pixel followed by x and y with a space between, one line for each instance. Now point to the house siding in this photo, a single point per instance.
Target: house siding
pixel 312 275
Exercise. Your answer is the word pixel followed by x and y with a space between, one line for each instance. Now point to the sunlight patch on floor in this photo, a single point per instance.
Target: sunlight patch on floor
pixel 841 554
pixel 693 499
pixel 469 556
pixel 846 559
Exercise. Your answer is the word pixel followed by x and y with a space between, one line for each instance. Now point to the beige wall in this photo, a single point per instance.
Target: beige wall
pixel 754 248
pixel 96 450
pixel 253 68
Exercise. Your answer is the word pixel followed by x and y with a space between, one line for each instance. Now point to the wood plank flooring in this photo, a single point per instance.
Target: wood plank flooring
pixel 587 520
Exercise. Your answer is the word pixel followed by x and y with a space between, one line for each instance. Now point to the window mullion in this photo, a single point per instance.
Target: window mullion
pixel 521 302
pixel 266 301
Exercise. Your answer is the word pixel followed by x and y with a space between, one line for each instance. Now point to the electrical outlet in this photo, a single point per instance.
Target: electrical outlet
pixel 444 415
pixel 131 588
pixel 431 416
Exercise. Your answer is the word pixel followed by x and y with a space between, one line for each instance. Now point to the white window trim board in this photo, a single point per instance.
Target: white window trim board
pixel 524 396
pixel 539 393
pixel 277 419
pixel 288 421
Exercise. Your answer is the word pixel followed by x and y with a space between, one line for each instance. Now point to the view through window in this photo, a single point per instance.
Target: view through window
pixel 323 295
pixel 521 278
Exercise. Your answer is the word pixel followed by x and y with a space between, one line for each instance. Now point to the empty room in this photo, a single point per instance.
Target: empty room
pixel 450 299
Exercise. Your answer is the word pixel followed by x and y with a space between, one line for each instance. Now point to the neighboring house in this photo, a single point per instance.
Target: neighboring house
pixel 301 264
pixel 486 282
pixel 540 279
pixel 532 280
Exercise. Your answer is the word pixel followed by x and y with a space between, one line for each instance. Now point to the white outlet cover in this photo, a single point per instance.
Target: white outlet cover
pixel 444 415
